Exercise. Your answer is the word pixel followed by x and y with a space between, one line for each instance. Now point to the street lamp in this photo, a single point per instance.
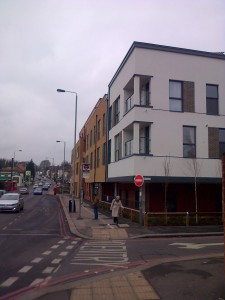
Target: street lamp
pixel 63 161
pixel 13 160
pixel 75 132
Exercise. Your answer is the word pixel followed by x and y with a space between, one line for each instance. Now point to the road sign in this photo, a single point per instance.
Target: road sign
pixel 138 180
pixel 85 170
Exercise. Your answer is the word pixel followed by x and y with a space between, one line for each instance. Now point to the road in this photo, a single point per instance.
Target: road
pixel 37 249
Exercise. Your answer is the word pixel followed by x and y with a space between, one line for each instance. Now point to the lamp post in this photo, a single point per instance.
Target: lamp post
pixel 74 159
pixel 63 162
pixel 13 163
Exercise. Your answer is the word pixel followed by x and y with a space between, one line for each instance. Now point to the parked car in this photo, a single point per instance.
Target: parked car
pixel 38 191
pixel 2 192
pixel 24 191
pixel 35 186
pixel 11 202
pixel 45 187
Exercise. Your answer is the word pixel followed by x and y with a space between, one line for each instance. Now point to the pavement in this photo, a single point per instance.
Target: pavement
pixel 82 224
pixel 138 282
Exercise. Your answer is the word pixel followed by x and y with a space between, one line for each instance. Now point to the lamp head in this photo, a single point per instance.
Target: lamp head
pixel 60 91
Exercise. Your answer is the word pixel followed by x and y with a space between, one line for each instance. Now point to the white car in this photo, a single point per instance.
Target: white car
pixel 11 202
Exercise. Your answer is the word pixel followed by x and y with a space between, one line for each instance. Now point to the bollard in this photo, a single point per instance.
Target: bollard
pixel 187 218
pixel 70 205
pixel 74 206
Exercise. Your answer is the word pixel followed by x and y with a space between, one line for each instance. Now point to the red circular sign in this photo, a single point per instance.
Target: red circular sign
pixel 139 180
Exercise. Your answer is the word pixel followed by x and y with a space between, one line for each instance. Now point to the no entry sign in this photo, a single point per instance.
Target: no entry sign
pixel 138 180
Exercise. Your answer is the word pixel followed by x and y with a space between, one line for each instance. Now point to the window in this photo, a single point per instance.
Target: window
pixel 176 95
pixel 91 161
pixel 118 146
pixel 129 103
pixel 145 141
pixel 109 152
pixel 110 118
pixel 98 157
pixel 117 111
pixel 212 107
pixel 104 125
pixel 145 99
pixel 129 148
pixel 87 140
pixel 221 142
pixel 189 141
pixel 91 138
pixel 103 154
pixel 99 129
pixel 94 134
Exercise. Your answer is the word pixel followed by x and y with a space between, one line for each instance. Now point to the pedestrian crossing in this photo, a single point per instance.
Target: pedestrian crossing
pixel 102 253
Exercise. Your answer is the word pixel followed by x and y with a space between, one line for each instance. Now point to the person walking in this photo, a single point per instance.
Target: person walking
pixel 115 208
pixel 95 206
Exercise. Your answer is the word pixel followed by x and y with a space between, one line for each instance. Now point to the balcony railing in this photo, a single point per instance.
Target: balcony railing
pixel 129 103
pixel 144 146
pixel 129 148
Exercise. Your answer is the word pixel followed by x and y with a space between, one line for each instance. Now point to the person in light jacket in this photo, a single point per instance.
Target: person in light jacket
pixel 115 208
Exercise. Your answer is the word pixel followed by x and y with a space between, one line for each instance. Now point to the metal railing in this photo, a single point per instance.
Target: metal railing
pixel 169 218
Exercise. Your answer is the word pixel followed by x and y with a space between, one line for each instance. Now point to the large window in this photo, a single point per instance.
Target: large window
pixel 91 138
pixel 98 157
pixel 117 111
pixel 104 125
pixel 104 154
pixel 110 118
pixel 99 129
pixel 117 149
pixel 109 151
pixel 212 106
pixel 189 141
pixel 176 95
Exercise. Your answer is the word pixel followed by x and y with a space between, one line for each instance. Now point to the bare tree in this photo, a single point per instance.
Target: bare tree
pixel 195 167
pixel 166 168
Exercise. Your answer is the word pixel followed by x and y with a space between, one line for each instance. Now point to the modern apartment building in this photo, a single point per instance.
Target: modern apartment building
pixel 94 140
pixel 166 119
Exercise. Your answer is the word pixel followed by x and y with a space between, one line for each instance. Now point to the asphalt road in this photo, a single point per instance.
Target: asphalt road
pixel 37 248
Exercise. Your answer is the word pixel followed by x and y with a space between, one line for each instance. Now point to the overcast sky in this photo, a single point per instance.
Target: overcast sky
pixel 78 45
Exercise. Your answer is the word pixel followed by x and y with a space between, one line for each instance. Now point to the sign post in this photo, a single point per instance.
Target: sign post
pixel 139 181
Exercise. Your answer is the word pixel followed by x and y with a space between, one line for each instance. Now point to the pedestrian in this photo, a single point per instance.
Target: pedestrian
pixel 55 189
pixel 115 208
pixel 95 206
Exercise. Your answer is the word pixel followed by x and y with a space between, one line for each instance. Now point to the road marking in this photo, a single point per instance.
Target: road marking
pixel 69 247
pixel 47 252
pixel 9 281
pixel 25 269
pixel 48 270
pixel 37 281
pixel 37 260
pixel 55 247
pixel 56 261
pixel 74 242
pixel 61 242
pixel 102 253
pixel 64 253
pixel 195 246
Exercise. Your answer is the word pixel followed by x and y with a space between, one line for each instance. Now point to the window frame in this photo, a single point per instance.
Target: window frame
pixel 212 102
pixel 190 145
pixel 177 99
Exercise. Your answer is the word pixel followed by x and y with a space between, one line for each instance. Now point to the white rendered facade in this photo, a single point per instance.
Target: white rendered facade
pixel 167 115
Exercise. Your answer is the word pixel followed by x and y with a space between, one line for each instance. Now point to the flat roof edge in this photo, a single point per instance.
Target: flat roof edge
pixel 217 55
